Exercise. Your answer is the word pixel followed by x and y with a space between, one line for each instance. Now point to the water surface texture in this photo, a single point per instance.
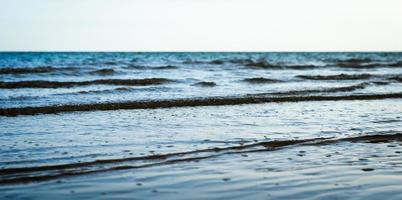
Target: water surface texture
pixel 200 125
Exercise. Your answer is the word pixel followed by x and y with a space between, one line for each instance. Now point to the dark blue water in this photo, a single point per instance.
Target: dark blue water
pixel 189 74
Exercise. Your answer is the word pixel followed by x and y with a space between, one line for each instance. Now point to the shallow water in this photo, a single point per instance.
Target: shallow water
pixel 205 125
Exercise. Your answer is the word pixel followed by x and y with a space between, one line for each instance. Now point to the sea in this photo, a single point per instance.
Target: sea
pixel 200 125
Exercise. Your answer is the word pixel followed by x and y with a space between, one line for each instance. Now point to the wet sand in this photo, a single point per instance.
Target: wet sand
pixel 346 169
pixel 34 174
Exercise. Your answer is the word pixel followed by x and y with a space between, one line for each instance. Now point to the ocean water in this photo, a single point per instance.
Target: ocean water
pixel 200 125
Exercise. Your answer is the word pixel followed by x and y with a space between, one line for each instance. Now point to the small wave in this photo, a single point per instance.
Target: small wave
pixel 387 121
pixel 380 82
pixel 365 63
pixel 138 67
pixel 110 63
pixel 213 62
pixel 103 72
pixel 254 64
pixel 396 78
pixel 141 67
pixel 355 62
pixel 260 80
pixel 250 63
pixel 34 70
pixel 205 84
pixel 189 61
pixel 259 64
pixel 120 89
pixel 51 172
pixel 57 84
pixel 165 67
pixel 26 70
pixel 211 101
pixel 396 64
pixel 19 98
pixel 217 62
pixel 336 77
pixel 345 63
pixel 325 90
pixel 301 67
pixel 264 64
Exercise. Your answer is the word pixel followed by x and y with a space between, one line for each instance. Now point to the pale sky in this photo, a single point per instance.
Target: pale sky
pixel 201 25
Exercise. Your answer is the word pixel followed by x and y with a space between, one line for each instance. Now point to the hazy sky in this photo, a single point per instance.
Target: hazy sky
pixel 201 25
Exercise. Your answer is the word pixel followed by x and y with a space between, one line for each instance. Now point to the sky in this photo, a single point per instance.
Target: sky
pixel 200 25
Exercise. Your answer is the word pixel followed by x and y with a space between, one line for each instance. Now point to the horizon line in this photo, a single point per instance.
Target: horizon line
pixel 164 51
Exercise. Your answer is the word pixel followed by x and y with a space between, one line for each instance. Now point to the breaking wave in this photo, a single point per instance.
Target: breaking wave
pixel 210 101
